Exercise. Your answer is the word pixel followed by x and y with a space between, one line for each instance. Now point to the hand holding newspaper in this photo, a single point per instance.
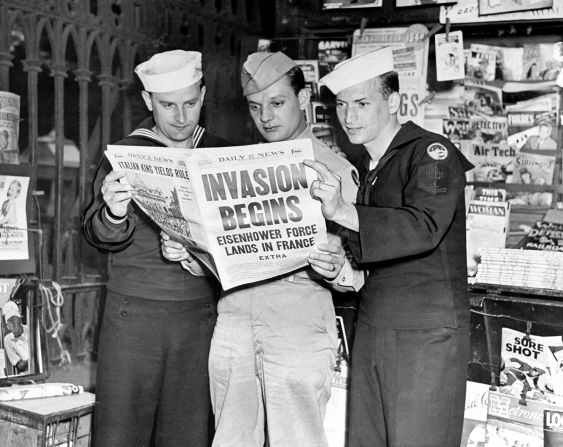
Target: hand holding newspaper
pixel 245 211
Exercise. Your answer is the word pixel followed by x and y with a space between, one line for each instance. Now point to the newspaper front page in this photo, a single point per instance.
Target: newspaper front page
pixel 245 211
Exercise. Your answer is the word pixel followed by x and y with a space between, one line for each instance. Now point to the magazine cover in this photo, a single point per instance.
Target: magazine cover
pixel 489 194
pixel 544 235
pixel 410 53
pixel 529 369
pixel 475 415
pixel 310 69
pixel 553 428
pixel 482 62
pixel 488 128
pixel 539 64
pixel 532 131
pixel 483 98
pixel 487 226
pixel 456 128
pixel 509 423
pixel 450 62
pixel 322 112
pixel 330 53
pixel 502 6
pixel 533 168
pixel 493 162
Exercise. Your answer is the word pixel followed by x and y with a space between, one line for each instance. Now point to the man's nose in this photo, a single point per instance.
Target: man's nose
pixel 266 114
pixel 181 115
pixel 350 115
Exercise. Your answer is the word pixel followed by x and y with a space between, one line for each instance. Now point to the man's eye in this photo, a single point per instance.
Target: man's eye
pixel 253 107
pixel 339 105
pixel 278 103
pixel 363 104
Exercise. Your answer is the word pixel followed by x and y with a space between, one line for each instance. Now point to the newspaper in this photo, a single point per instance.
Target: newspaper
pixel 9 127
pixel 245 212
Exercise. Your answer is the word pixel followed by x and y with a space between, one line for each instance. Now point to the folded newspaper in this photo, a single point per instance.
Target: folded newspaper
pixel 245 212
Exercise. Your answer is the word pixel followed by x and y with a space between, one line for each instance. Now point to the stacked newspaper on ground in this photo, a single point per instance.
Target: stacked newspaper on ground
pixel 522 268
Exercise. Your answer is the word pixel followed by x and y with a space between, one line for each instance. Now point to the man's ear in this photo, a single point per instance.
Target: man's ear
pixel 304 97
pixel 203 90
pixel 394 102
pixel 147 97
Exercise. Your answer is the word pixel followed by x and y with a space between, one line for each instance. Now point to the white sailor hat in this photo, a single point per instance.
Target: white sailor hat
pixel 358 69
pixel 169 71
pixel 260 70
pixel 10 309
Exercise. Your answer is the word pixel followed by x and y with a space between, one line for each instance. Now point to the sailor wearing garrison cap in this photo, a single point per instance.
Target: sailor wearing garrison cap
pixel 281 316
pixel 152 382
pixel 408 228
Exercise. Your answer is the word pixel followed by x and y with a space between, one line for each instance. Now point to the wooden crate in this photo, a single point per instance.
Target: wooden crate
pixel 63 421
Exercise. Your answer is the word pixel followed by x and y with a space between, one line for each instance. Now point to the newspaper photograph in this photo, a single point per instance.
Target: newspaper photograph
pixel 244 211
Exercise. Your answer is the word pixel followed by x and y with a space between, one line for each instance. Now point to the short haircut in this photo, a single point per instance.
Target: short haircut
pixel 296 79
pixel 389 83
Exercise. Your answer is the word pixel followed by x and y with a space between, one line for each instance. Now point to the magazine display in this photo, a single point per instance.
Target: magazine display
pixel 245 212
pixel 553 428
pixel 410 54
pixel 487 226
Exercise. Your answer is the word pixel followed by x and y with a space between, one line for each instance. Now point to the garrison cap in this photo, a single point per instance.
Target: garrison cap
pixel 260 70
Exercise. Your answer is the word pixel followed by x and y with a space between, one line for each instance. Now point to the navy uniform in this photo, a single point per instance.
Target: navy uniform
pixel 158 319
pixel 407 229
pixel 414 305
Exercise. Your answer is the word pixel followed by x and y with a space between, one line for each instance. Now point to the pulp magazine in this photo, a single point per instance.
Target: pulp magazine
pixel 245 212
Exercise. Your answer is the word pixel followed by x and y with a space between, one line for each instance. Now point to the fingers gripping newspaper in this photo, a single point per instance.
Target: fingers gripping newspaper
pixel 245 212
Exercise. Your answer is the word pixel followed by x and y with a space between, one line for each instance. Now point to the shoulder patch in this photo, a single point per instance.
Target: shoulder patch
pixel 437 151
pixel 433 178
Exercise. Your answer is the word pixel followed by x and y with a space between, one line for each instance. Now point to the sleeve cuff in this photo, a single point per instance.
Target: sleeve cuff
pixel 113 218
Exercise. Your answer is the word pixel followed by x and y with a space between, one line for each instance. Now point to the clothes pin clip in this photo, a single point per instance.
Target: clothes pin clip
pixel 433 31
pixel 363 25
pixel 528 337
pixel 448 23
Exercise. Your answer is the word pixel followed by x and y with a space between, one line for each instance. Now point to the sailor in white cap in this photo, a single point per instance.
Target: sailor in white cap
pixel 158 317
pixel 411 345
pixel 16 341
pixel 274 344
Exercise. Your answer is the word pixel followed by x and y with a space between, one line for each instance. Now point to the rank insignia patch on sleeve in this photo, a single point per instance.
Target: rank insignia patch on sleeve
pixel 437 151
pixel 433 178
